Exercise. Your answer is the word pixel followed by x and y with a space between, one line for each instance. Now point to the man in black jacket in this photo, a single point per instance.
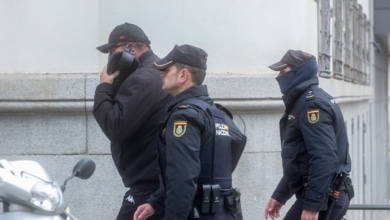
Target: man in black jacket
pixel 314 144
pixel 128 107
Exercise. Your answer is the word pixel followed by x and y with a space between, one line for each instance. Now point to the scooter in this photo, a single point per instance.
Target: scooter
pixel 28 192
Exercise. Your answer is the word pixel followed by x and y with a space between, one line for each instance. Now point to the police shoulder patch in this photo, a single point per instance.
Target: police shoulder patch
pixel 313 116
pixel 309 95
pixel 179 128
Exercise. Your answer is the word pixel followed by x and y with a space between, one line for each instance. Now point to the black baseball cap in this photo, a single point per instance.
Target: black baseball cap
pixel 292 58
pixel 184 54
pixel 124 33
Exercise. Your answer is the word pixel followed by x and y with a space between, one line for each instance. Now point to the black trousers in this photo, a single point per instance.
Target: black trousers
pixel 222 214
pixel 339 210
pixel 131 200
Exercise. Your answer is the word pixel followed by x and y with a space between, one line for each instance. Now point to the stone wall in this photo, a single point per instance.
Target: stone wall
pixel 47 117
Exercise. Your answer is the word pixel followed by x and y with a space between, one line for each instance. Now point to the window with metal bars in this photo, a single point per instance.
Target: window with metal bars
pixel 343 44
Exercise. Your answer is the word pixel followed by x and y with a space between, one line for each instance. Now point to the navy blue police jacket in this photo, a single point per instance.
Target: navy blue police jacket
pixel 181 137
pixel 314 144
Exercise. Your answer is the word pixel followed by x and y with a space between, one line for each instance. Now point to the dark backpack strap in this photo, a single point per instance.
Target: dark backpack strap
pixel 216 156
pixel 205 106
pixel 206 152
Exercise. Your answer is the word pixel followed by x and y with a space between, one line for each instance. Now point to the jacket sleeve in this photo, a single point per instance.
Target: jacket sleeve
pixel 183 138
pixel 122 114
pixel 157 199
pixel 318 132
pixel 282 192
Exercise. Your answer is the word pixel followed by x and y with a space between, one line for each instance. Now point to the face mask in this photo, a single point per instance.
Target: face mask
pixel 285 81
pixel 297 75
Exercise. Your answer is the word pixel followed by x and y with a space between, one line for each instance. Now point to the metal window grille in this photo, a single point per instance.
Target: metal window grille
pixel 366 52
pixel 338 40
pixel 324 62
pixel 348 40
pixel 357 43
pixel 346 57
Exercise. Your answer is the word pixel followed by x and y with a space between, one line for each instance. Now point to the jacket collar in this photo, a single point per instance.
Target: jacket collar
pixel 145 57
pixel 294 93
pixel 199 91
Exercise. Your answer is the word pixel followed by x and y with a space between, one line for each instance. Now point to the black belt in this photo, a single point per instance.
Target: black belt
pixel 226 192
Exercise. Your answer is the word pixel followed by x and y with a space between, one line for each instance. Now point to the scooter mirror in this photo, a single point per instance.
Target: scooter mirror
pixel 84 168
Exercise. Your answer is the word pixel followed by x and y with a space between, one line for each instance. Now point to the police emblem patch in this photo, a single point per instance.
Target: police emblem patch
pixel 179 128
pixel 313 116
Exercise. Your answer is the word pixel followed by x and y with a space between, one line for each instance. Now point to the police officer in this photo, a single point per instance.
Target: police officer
pixel 314 144
pixel 183 138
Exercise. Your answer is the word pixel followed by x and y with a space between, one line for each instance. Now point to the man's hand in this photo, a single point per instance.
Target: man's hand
pixel 105 78
pixel 143 211
pixel 309 215
pixel 272 209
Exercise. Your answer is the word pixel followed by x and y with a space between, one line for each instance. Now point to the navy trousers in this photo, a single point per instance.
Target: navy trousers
pixel 222 214
pixel 339 210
